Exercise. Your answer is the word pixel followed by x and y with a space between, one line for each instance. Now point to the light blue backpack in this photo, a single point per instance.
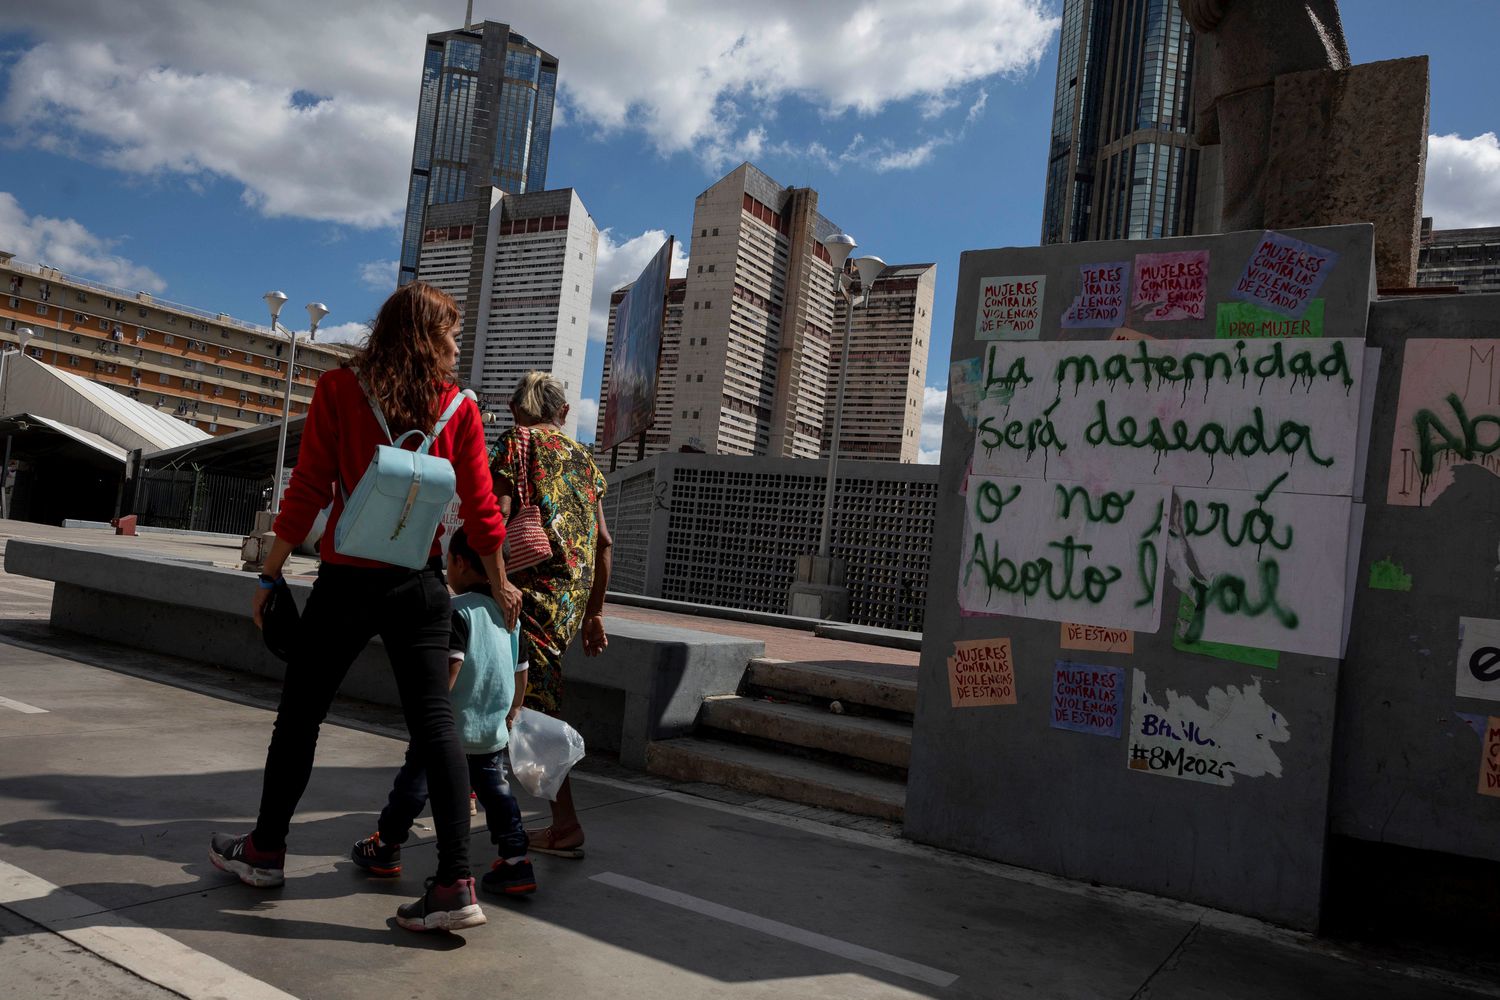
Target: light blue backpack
pixel 395 509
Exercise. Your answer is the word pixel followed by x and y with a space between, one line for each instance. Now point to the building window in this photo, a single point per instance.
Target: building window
pixel 42 310
pixel 164 379
pixel 711 267
pixel 716 230
pixel 708 303
pixel 573 320
pixel 700 268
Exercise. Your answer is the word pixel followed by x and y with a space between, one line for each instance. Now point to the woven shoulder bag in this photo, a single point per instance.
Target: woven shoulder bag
pixel 526 542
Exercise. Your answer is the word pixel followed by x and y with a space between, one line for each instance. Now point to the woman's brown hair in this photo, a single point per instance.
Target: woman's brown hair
pixel 404 359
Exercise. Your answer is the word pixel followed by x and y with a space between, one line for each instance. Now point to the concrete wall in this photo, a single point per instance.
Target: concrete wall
pixel 1001 782
pixel 647 685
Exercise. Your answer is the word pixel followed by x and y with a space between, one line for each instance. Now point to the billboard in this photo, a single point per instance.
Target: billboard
pixel 631 406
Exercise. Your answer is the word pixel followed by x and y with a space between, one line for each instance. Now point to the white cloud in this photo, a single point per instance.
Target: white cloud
pixel 881 156
pixel 68 246
pixel 619 263
pixel 934 406
pixel 1463 181
pixel 381 275
pixel 340 333
pixel 588 418
pixel 318 124
pixel 977 108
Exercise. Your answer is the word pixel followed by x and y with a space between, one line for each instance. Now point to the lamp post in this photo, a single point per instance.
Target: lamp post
pixel 23 336
pixel 839 246
pixel 315 313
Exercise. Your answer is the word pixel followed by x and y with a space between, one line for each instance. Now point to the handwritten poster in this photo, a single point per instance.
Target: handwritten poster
pixel 980 672
pixel 1447 415
pixel 1283 274
pixel 1088 699
pixel 1232 733
pixel 1489 763
pixel 1478 659
pixel 1061 551
pixel 1241 319
pixel 1096 639
pixel 1234 414
pixel 1170 286
pixel 1101 296
pixel 1010 308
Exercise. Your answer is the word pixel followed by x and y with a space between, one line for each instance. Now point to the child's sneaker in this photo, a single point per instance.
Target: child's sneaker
pixel 240 857
pixel 442 908
pixel 473 804
pixel 377 857
pixel 510 878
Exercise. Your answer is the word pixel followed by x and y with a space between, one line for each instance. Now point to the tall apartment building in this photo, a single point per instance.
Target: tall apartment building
pixel 753 371
pixel 1122 163
pixel 888 345
pixel 659 436
pixel 525 279
pixel 209 369
pixel 484 119
pixel 1468 258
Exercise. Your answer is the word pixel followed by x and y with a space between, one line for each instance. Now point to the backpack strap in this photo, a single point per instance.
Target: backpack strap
pixel 458 400
pixel 374 405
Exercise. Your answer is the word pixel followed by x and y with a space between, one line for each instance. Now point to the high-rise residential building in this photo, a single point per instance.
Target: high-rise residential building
pixel 659 435
pixel 1122 163
pixel 887 370
pixel 1468 258
pixel 484 119
pixel 525 280
pixel 216 372
pixel 753 372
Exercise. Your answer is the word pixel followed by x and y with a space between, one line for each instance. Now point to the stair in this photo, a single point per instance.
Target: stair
pixel 835 737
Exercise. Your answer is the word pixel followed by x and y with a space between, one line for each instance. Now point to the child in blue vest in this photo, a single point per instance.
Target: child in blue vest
pixel 487 684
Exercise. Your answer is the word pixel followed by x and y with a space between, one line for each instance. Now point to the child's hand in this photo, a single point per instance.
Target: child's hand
pixel 511 717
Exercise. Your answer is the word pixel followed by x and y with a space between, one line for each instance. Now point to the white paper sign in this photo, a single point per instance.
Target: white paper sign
pixel 1264 569
pixel 1230 414
pixel 1478 659
pixel 1063 552
pixel 1231 733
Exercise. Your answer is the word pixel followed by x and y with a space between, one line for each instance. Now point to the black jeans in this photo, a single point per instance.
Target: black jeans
pixel 410 611
pixel 502 814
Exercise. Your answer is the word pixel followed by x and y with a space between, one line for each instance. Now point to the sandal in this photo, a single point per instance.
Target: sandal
pixel 546 841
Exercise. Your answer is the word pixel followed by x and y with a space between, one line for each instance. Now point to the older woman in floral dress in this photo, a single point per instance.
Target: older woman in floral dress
pixel 563 594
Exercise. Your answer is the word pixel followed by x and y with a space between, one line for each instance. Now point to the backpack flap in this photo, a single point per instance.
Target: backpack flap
pixel 400 473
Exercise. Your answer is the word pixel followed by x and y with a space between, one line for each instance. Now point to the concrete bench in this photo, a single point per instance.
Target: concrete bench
pixel 648 685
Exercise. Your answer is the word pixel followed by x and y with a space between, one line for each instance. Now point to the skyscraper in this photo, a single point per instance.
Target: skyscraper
pixel 750 366
pixel 484 119
pixel 1122 163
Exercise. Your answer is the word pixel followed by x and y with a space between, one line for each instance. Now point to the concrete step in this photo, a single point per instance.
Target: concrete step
pixel 762 772
pixel 879 741
pixel 883 686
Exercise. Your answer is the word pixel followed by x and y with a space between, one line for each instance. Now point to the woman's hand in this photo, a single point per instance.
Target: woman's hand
pixel 258 606
pixel 594 639
pixel 509 599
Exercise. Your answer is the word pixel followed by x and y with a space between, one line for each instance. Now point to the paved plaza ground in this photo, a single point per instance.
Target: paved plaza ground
pixel 115 767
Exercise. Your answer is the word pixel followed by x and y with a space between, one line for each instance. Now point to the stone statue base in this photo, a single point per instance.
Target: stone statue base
pixel 1349 146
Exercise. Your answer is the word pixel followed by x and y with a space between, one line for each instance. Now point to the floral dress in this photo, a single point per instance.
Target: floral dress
pixel 567 486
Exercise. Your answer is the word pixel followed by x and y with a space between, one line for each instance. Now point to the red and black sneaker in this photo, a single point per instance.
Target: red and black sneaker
pixel 510 878
pixel 442 908
pixel 240 857
pixel 377 857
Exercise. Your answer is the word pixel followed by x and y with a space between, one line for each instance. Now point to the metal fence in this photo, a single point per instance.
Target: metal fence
pixel 196 500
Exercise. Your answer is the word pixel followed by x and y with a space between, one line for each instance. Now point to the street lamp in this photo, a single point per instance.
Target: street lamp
pixel 315 313
pixel 23 336
pixel 839 246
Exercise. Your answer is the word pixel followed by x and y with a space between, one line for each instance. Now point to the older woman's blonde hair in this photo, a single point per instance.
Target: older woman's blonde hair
pixel 539 398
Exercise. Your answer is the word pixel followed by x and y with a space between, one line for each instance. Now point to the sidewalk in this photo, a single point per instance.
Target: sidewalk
pixel 111 783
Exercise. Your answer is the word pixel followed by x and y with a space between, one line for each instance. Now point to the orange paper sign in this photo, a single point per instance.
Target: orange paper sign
pixel 1096 639
pixel 980 672
pixel 1489 764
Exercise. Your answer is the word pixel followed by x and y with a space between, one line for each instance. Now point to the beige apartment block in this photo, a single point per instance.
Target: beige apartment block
pixel 218 373
pixel 887 370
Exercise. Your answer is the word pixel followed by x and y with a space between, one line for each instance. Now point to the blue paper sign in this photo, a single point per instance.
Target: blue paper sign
pixel 1088 699
pixel 1284 274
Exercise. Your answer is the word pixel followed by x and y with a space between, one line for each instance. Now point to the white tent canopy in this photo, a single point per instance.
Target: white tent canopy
pixel 41 390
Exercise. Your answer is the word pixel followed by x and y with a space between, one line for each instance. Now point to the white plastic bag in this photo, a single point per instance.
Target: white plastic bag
pixel 542 752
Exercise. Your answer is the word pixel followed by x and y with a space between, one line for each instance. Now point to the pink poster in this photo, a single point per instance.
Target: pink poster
pixel 1171 286
pixel 1448 415
pixel 1101 296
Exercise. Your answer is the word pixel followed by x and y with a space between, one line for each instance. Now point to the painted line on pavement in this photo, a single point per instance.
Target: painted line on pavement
pixel 775 928
pixel 21 706
pixel 147 953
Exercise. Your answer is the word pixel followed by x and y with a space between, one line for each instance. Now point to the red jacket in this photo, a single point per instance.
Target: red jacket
pixel 338 441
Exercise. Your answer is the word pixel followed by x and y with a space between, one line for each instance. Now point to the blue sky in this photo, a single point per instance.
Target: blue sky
pixel 208 153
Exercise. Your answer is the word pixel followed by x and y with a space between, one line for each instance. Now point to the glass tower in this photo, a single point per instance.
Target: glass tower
pixel 1122 164
pixel 484 120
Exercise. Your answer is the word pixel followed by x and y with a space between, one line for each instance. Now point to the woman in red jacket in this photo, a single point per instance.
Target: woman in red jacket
pixel 408 363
